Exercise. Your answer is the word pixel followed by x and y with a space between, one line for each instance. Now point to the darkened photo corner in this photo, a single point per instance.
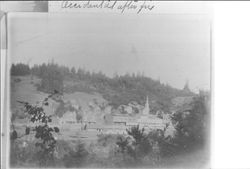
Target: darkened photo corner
pixel 122 89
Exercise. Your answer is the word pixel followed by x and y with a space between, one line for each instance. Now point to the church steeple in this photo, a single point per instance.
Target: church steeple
pixel 146 108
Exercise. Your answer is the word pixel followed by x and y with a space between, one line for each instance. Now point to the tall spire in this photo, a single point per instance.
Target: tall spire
pixel 146 108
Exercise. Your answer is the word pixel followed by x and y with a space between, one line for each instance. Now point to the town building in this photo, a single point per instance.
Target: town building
pixel 68 118
pixel 106 122
pixel 149 121
pixel 144 120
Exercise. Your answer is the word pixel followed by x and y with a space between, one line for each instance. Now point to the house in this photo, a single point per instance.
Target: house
pixel 120 119
pixel 144 120
pixel 68 118
pixel 89 118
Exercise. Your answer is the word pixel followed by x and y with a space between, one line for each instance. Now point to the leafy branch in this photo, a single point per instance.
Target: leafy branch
pixel 43 132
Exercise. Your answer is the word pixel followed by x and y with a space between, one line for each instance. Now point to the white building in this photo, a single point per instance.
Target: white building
pixel 145 120
pixel 149 121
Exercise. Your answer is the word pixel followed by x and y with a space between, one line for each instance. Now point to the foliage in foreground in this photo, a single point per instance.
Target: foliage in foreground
pixel 43 133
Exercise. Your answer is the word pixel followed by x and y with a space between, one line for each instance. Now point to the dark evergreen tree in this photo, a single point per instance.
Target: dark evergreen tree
pixel 20 69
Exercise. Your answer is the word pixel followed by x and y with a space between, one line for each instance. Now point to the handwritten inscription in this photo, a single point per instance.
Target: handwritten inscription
pixel 121 6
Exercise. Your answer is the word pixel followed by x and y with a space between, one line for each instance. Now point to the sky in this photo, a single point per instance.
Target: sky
pixel 174 48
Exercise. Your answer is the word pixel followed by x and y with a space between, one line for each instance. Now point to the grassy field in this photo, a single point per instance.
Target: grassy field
pixel 83 99
pixel 23 89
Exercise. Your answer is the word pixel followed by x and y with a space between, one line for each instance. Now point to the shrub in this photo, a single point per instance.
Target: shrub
pixel 76 158
pixel 134 147
pixel 23 153
pixel 192 129
pixel 163 145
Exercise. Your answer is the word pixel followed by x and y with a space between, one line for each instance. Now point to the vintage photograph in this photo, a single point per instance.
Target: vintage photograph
pixel 109 90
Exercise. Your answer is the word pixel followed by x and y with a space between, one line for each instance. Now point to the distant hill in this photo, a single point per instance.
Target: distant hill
pixel 119 90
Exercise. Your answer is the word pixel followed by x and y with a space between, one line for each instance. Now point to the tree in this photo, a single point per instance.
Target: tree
pixel 137 134
pixel 20 69
pixel 123 144
pixel 76 158
pixel 43 132
pixel 165 145
pixel 78 117
pixel 73 72
pixel 193 125
pixel 81 74
pixel 52 79
pixel 141 144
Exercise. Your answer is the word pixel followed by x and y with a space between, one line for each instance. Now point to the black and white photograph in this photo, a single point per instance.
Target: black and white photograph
pixel 108 84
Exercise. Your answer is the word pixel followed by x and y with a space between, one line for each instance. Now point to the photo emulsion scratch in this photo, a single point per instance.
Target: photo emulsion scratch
pixel 123 89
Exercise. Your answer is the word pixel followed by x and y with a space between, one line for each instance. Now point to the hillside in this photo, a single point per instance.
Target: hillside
pixel 80 85
pixel 23 89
